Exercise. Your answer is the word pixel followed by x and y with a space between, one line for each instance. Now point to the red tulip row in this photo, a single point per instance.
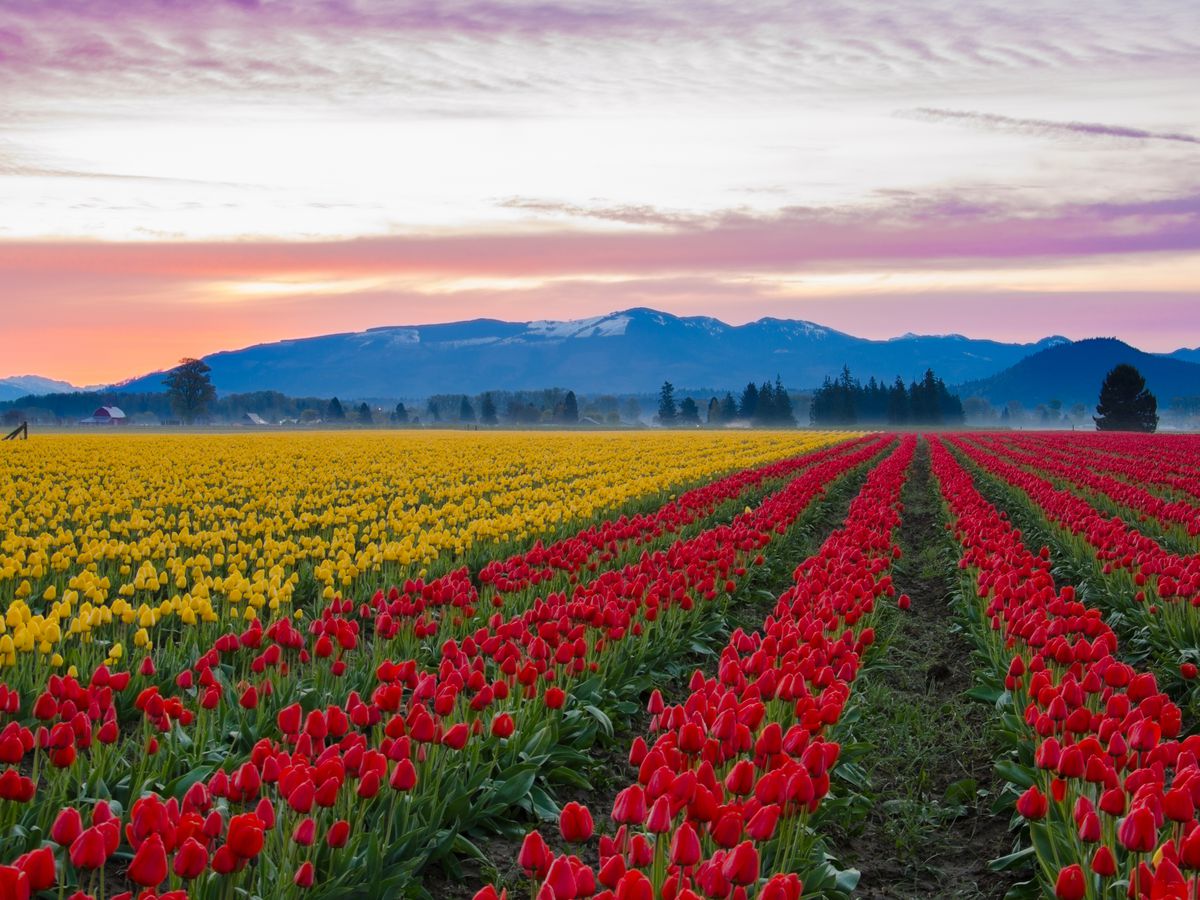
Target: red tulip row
pixel 451 606
pixel 1156 578
pixel 1111 793
pixel 1139 501
pixel 601 543
pixel 723 797
pixel 1170 464
pixel 287 760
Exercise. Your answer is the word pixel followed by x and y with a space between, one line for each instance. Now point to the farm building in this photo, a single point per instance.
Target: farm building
pixel 106 415
pixel 253 419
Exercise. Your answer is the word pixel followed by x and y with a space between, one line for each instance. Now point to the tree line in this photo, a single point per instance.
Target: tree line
pixel 766 404
pixel 847 401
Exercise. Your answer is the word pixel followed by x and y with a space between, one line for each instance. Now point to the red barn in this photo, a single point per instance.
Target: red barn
pixel 106 415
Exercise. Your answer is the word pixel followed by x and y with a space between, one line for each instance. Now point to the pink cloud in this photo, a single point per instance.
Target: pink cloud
pixel 94 311
pixel 946 232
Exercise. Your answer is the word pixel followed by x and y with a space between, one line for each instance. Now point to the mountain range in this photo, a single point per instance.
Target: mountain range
pixel 1072 373
pixel 635 350
pixel 17 386
pixel 632 351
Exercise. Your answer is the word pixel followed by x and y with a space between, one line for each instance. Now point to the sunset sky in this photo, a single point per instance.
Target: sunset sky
pixel 178 178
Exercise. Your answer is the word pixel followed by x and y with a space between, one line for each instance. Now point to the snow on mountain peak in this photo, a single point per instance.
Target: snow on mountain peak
pixel 596 326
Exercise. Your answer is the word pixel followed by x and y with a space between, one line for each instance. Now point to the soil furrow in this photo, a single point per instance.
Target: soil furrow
pixel 930 832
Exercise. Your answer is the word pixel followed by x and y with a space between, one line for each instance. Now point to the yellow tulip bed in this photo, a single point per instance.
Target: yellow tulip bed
pixel 135 529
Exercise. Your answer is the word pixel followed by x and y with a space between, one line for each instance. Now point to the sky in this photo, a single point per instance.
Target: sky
pixel 181 177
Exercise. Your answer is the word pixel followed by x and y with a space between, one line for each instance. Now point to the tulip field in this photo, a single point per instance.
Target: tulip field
pixel 622 666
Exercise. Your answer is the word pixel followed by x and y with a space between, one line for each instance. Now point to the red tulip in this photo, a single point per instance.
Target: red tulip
pixel 339 833
pixel 629 808
pixel 305 832
pixel 14 883
pixel 404 776
pixel 1033 804
pixel 67 826
pixel 1103 862
pixel 660 817
pixel 685 846
pixel 761 826
pixel 560 878
pixel 456 737
pixel 191 859
pixel 634 886
pixel 575 823
pixel 89 850
pixel 741 865
pixel 39 866
pixel 534 857
pixel 1189 850
pixel 245 837
pixel 149 865
pixel 304 875
pixel 1138 832
pixel 1070 884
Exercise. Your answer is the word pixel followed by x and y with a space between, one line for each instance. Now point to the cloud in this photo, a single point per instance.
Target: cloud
pixel 625 214
pixel 466 53
pixel 948 231
pixel 1046 127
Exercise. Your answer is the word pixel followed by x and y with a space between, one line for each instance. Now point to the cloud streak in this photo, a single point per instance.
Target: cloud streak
pixel 1046 127
pixel 948 231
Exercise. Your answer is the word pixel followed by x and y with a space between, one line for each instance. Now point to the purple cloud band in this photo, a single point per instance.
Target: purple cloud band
pixel 1047 127
pixel 946 232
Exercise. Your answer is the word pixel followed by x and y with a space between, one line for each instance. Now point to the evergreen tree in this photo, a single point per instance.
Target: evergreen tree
pixel 783 405
pixel 190 389
pixel 765 412
pixel 401 414
pixel 748 408
pixel 847 408
pixel 729 409
pixel 364 413
pixel 666 404
pixel 689 413
pixel 714 411
pixel 466 413
pixel 487 410
pixel 570 409
pixel 334 412
pixel 1125 404
pixel 897 403
pixel 432 410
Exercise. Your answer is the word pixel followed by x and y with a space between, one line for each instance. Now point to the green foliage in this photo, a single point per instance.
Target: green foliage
pixel 189 389
pixel 1125 404
pixel 847 401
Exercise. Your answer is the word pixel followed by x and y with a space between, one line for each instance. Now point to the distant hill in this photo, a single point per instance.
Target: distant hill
pixel 1073 372
pixel 1186 355
pixel 22 385
pixel 631 351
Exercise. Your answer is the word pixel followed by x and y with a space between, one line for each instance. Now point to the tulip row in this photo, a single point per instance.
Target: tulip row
pixel 1169 467
pixel 280 761
pixel 1176 458
pixel 1110 792
pixel 600 543
pixel 452 607
pixel 111 543
pixel 1156 590
pixel 724 798
pixel 1121 497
